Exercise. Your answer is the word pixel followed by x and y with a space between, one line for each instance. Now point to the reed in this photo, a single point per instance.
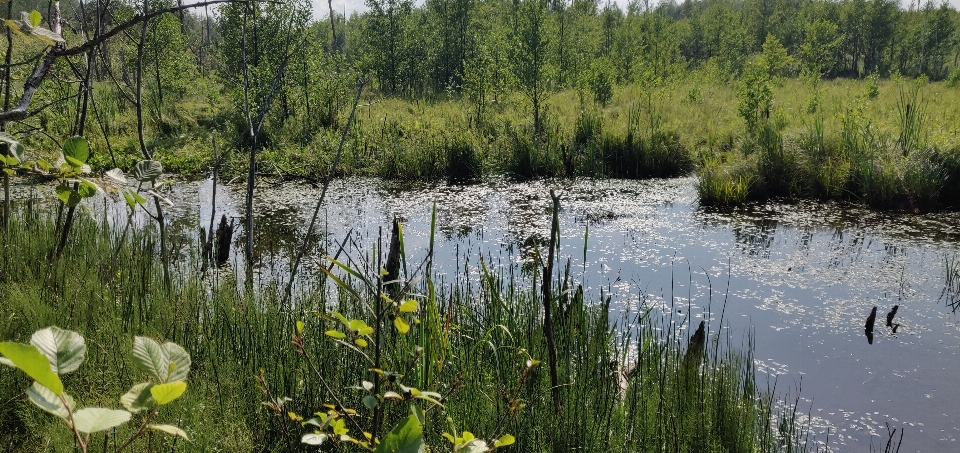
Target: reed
pixel 627 383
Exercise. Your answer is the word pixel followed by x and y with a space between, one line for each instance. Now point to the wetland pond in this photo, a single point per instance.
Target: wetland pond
pixel 799 279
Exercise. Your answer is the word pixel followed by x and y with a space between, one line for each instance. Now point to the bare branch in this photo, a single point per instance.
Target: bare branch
pixel 61 50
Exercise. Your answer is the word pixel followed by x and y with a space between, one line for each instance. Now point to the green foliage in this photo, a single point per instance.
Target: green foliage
pixel 776 59
pixel 387 388
pixel 14 158
pixel 822 41
pixel 755 93
pixel 406 437
pixel 911 111
pixel 390 43
pixel 600 80
pixel 872 87
pixel 721 185
pixel 529 60
pixel 53 352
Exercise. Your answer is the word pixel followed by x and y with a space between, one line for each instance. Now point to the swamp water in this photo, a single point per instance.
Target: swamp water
pixel 797 279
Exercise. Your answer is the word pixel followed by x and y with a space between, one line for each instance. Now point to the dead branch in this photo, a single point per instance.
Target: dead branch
pixel 32 84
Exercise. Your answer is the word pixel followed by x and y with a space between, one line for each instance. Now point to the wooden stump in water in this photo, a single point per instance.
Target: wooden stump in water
pixel 393 260
pixel 224 238
pixel 697 344
pixel 891 314
pixel 868 328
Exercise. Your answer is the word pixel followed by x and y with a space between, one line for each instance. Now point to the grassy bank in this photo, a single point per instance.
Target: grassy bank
pixel 887 143
pixel 481 346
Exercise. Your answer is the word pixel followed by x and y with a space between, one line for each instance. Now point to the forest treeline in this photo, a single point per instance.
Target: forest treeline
pixel 455 44
pixel 481 49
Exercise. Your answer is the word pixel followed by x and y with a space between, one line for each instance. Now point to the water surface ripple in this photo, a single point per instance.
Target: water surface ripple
pixel 802 277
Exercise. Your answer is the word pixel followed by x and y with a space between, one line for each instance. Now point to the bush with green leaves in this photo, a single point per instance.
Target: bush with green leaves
pixel 386 395
pixel 53 352
pixel 337 421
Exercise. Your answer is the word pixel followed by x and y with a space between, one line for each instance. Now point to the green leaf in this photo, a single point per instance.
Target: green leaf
pixel 14 148
pixel 67 195
pixel 416 411
pixel 343 286
pixel 20 152
pixel 339 427
pixel 409 306
pixel 35 18
pixel 335 334
pixel 76 148
pixel 407 437
pixel 87 189
pixel 130 201
pixel 31 361
pixel 428 398
pixel 139 398
pixel 165 363
pixel 370 402
pixel 15 27
pixel 136 196
pixel 73 162
pixel 147 170
pixel 504 440
pixel 300 326
pixel 356 324
pixel 64 348
pixel 360 342
pixel 96 419
pixel 169 429
pixel 401 326
pixel 165 393
pixel 48 401
pixel 314 439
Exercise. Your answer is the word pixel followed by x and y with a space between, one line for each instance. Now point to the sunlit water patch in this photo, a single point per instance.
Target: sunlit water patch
pixel 800 279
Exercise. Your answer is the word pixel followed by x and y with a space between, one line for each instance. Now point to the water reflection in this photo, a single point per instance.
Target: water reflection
pixel 802 277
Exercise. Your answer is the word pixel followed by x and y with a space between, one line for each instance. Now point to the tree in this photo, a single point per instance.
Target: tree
pixel 386 31
pixel 257 38
pixel 818 53
pixel 529 57
pixel 452 40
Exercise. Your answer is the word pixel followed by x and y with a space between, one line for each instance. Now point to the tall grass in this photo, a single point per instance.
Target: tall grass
pixel 628 383
pixel 878 148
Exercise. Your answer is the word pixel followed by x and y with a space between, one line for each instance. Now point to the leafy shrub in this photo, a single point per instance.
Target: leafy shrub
pixel 53 352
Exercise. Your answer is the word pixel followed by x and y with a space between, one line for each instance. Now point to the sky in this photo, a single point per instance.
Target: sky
pixel 320 9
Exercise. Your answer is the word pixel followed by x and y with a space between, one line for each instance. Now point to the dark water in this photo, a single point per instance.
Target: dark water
pixel 800 279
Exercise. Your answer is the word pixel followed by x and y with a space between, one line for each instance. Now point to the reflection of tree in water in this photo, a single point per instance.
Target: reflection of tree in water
pixel 277 232
pixel 756 238
pixel 950 295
